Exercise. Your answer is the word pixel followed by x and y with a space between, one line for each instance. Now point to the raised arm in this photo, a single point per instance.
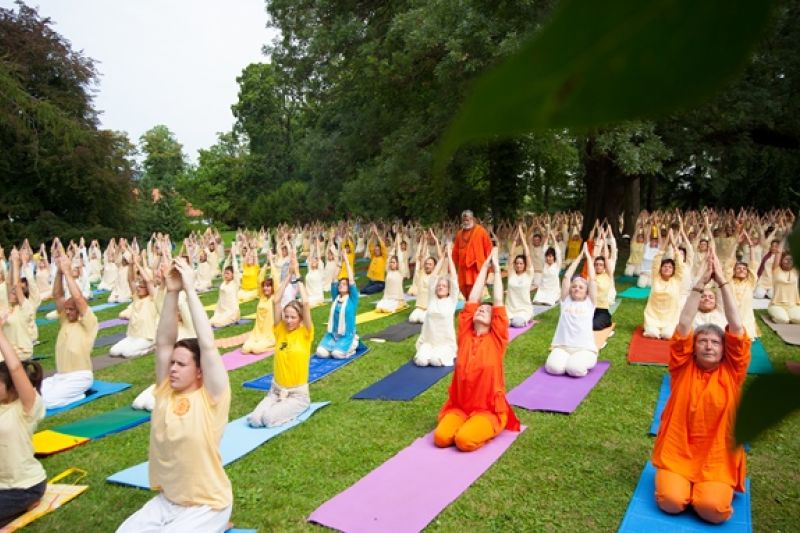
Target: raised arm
pixel 728 299
pixel 497 286
pixel 167 331
pixel 215 377
pixel 350 277
pixel 74 290
pixel 567 281
pixel 690 308
pixel 477 288
pixel 307 322
pixel 592 281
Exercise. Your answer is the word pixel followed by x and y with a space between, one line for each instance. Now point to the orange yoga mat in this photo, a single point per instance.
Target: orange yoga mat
pixel 646 351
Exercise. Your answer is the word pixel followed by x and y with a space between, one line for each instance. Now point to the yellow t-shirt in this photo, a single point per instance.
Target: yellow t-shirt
pixel 250 277
pixel 17 332
pixel 75 342
pixel 351 258
pixel 377 266
pixel 785 288
pixel 292 355
pixel 185 433
pixel 142 323
pixel 603 283
pixel 18 468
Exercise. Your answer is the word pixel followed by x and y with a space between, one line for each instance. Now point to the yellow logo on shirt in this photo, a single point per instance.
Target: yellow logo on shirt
pixel 182 406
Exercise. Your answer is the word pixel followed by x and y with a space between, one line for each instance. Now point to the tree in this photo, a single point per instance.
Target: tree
pixel 164 161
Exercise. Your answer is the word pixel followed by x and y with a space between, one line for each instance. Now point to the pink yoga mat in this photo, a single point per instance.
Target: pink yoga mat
pixel 562 394
pixel 513 333
pixel 406 492
pixel 237 359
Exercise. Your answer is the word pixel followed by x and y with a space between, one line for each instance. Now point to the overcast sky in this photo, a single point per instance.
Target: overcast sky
pixel 171 62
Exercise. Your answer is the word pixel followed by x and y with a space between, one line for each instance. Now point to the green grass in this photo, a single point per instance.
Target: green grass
pixel 565 473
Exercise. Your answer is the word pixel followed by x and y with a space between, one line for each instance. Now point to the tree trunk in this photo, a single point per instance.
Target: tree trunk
pixel 605 188
pixel 632 205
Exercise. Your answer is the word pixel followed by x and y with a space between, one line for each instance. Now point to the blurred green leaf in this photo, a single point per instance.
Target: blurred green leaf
pixel 601 62
pixel 765 402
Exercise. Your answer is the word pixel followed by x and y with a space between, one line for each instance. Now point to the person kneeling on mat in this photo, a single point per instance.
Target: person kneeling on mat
pixel 22 479
pixel 288 396
pixel 574 351
pixel 76 335
pixel 341 340
pixel 436 345
pixel 141 332
pixel 695 461
pixel 193 397
pixel 477 410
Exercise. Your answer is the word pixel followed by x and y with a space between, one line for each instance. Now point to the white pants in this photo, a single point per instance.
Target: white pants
pixel 131 347
pixel 632 270
pixel 659 332
pixel 417 316
pixel 146 401
pixel 161 515
pixel 575 362
pixel 281 405
pixel 387 305
pixel 762 292
pixel 63 389
pixel 428 354
pixel 519 321
pixel 644 280
pixel 781 315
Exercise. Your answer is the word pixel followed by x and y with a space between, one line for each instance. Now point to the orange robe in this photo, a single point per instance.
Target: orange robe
pixel 478 381
pixel 470 250
pixel 697 425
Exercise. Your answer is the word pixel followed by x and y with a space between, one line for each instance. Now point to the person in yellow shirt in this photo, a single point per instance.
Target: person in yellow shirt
pixel 288 397
pixel 76 335
pixel 22 478
pixel 20 310
pixel 376 274
pixel 193 397
pixel 250 271
pixel 141 333
pixel 784 308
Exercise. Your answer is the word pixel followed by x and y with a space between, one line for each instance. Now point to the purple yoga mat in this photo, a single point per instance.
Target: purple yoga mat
pixel 237 359
pixel 111 323
pixel 513 333
pixel 562 394
pixel 406 492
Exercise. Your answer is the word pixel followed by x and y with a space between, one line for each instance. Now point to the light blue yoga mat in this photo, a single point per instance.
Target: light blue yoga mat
pixel 663 396
pixel 318 368
pixel 644 515
pixel 46 308
pixel 636 293
pixel 97 390
pixel 238 440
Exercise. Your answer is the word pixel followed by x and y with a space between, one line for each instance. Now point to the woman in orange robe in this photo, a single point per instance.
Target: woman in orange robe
pixel 696 464
pixel 477 410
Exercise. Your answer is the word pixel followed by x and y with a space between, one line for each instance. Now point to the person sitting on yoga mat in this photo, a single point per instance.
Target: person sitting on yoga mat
pixel 376 273
pixel 520 279
pixel 262 337
pixel 20 311
pixel 22 479
pixel 436 345
pixel 76 334
pixel 314 275
pixel 193 398
pixel 708 311
pixel 573 350
pixel 288 396
pixel 549 290
pixel 743 285
pixel 695 461
pixel 141 333
pixel 393 297
pixel 423 271
pixel 605 262
pixel 476 409
pixel 784 308
pixel 662 310
pixel 227 310
pixel 340 340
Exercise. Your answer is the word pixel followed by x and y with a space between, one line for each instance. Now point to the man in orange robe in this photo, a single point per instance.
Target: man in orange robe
pixel 471 247
pixel 476 409
pixel 693 454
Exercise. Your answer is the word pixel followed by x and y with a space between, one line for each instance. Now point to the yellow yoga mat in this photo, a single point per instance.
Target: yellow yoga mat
pixel 48 442
pixel 210 307
pixel 375 315
pixel 251 316
pixel 54 497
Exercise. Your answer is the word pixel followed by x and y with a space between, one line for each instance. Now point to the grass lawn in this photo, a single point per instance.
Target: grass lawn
pixel 565 473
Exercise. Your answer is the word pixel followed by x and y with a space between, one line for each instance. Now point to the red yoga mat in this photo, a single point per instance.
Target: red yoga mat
pixel 646 351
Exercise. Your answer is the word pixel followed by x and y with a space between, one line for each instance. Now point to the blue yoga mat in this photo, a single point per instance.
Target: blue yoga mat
pixel 97 390
pixel 663 396
pixel 405 383
pixel 318 369
pixel 644 515
pixel 46 308
pixel 238 440
pixel 759 361
pixel 636 293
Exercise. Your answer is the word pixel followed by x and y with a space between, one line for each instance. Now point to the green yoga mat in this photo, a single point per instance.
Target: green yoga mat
pixel 106 423
pixel 636 293
pixel 759 361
